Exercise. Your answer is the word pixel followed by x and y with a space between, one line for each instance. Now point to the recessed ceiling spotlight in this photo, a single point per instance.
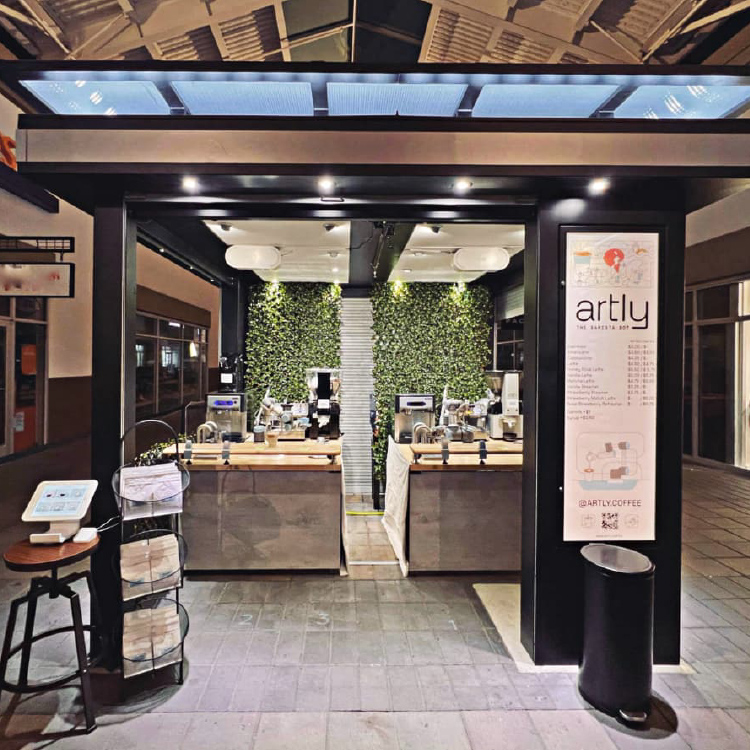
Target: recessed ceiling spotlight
pixel 436 227
pixel 329 228
pixel 326 184
pixel 333 253
pixel 599 186
pixel 335 269
pixel 190 183
pixel 96 97
pixel 80 84
pixel 417 253
pixel 225 227
pixel 161 250
pixel 407 270
pixel 462 185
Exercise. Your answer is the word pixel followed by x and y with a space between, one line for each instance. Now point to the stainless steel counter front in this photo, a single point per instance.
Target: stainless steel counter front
pixel 465 516
pixel 267 512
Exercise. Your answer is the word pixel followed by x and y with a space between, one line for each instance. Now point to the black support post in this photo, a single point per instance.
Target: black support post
pixel 552 575
pixel 234 316
pixel 113 384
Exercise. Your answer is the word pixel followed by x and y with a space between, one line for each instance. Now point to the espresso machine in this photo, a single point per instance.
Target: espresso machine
pixel 289 419
pixel 412 409
pixel 504 418
pixel 227 412
pixel 324 409
pixel 463 420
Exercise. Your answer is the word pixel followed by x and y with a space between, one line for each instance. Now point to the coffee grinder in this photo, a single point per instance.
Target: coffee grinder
pixel 324 408
pixel 504 418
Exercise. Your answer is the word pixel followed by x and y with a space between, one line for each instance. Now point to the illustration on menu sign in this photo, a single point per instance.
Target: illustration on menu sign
pixel 611 323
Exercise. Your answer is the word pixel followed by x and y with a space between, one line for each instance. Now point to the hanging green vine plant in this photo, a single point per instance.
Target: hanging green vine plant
pixel 426 336
pixel 290 327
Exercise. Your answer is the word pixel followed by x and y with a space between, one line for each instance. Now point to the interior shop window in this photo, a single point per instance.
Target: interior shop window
pixel 31 308
pixel 145 382
pixel 191 372
pixel 171 329
pixel 145 325
pixel 716 374
pixel 4 307
pixel 687 394
pixel 509 348
pixel 170 363
pixel 29 373
pixel 717 302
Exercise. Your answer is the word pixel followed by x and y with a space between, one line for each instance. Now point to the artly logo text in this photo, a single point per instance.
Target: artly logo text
pixel 614 309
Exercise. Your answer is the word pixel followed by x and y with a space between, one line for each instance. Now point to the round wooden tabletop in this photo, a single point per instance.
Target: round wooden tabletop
pixel 25 556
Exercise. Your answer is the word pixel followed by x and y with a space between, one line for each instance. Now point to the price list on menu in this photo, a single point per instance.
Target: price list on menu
pixel 611 325
pixel 641 373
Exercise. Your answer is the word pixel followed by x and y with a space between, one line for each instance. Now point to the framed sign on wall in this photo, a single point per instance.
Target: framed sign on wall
pixel 611 313
pixel 37 279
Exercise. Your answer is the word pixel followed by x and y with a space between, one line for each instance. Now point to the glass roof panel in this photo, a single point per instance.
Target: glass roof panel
pixel 541 100
pixel 303 16
pixel 334 48
pixel 421 100
pixel 83 97
pixel 246 98
pixel 683 102
pixel 496 91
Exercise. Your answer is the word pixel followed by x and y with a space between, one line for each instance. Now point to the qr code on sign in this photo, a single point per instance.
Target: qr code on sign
pixel 610 521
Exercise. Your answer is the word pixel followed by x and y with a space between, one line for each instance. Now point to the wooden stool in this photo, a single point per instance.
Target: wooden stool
pixel 32 558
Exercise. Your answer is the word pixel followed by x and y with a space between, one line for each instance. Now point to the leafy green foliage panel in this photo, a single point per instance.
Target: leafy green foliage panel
pixel 290 327
pixel 427 336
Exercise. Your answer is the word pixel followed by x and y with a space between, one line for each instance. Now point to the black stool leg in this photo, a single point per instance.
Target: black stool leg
pixel 83 661
pixel 8 641
pixel 28 635
pixel 96 630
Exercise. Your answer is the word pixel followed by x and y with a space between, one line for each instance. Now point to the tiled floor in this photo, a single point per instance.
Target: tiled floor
pixel 366 542
pixel 325 662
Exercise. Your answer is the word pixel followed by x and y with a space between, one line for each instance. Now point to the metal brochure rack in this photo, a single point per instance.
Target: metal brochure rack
pixel 151 562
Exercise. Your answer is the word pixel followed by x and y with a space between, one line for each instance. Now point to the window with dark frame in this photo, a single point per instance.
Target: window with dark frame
pixel 171 365
pixel 509 344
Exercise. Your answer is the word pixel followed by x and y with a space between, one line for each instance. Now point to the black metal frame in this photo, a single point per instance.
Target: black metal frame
pixel 71 279
pixel 53 587
pixel 173 528
pixel 551 569
pixel 37 244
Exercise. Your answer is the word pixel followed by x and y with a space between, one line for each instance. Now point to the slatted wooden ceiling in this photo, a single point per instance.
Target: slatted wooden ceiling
pixel 443 31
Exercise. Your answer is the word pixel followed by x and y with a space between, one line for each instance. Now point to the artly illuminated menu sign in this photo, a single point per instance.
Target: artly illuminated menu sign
pixel 611 323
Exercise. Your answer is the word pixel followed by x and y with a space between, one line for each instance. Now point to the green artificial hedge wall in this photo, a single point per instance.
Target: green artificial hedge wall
pixel 427 336
pixel 290 327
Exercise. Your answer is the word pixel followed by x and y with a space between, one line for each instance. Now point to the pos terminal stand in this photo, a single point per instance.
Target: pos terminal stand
pixel 63 504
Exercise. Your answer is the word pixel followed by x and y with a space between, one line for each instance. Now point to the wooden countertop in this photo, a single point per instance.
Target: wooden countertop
pixel 501 456
pixel 288 455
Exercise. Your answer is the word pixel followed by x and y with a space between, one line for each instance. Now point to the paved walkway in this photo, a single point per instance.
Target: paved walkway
pixel 327 663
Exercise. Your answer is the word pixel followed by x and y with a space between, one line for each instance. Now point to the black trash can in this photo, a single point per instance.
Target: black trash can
pixel 618 622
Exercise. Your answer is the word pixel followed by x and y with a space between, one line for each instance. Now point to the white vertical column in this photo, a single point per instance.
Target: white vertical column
pixel 356 387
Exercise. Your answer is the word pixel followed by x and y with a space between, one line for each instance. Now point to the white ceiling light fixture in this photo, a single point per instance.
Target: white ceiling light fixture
pixel 462 185
pixel 253 257
pixel 481 259
pixel 190 183
pixel 326 185
pixel 599 186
